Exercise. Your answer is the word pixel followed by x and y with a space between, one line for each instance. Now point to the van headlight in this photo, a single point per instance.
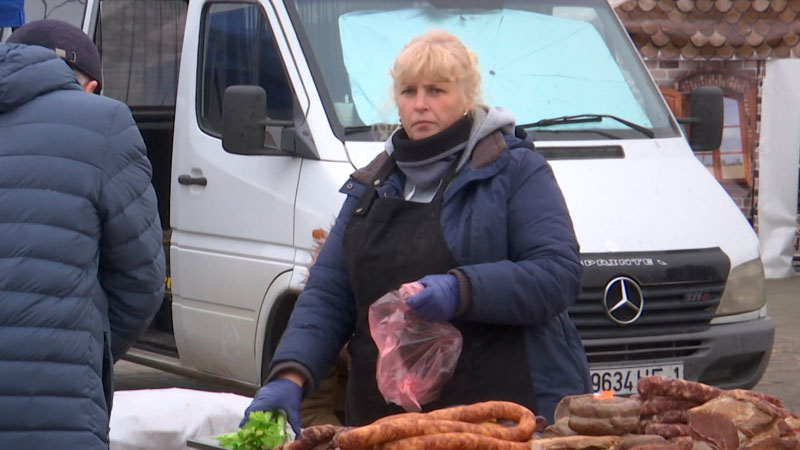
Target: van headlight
pixel 744 290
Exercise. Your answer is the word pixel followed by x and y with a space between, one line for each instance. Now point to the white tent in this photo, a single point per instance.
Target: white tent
pixel 779 159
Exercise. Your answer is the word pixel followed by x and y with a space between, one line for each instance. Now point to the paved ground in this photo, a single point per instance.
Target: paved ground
pixel 783 373
pixel 128 376
pixel 781 378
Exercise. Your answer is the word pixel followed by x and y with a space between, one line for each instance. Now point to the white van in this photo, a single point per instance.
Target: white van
pixel 277 102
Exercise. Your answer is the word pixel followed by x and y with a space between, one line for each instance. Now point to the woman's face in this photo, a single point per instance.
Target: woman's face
pixel 428 107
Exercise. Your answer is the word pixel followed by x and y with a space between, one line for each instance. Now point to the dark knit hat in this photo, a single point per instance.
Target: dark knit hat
pixel 69 42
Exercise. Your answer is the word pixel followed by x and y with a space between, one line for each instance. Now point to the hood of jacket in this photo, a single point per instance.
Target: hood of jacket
pixel 28 71
pixel 485 121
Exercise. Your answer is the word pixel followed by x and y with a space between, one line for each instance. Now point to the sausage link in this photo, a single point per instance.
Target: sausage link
pixel 407 415
pixel 474 413
pixel 658 405
pixel 672 416
pixel 588 406
pixel 632 440
pixel 485 411
pixel 398 429
pixel 667 430
pixel 683 442
pixel 453 441
pixel 577 442
pixel 659 446
pixel 599 426
pixel 671 387
pixel 455 419
pixel 313 436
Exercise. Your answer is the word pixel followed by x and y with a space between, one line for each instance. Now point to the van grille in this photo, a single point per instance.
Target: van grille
pixel 669 309
pixel 638 351
pixel 681 290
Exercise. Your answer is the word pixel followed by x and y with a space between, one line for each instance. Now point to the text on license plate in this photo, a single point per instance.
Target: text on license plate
pixel 624 380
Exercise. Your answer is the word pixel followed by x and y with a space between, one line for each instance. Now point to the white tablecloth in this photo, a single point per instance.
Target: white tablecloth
pixel 164 419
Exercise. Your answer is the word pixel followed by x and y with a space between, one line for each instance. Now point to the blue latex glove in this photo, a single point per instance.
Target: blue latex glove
pixel 279 393
pixel 439 300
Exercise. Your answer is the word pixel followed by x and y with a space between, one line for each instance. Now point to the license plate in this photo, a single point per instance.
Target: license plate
pixel 624 380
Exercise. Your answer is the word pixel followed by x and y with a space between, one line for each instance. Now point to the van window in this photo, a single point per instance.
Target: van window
pixel 140 42
pixel 540 59
pixel 238 48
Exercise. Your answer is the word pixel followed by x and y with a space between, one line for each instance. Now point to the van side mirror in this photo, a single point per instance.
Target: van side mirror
pixel 246 129
pixel 244 117
pixel 705 124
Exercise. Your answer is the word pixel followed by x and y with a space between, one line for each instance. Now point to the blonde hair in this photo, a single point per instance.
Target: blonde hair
pixel 439 55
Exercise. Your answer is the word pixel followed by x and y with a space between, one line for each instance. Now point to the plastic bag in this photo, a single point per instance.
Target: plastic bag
pixel 416 358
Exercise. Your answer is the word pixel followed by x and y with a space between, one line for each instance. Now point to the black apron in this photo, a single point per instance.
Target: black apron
pixel 389 242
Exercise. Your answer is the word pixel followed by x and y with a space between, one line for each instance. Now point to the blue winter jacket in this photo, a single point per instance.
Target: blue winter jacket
pixel 505 221
pixel 81 261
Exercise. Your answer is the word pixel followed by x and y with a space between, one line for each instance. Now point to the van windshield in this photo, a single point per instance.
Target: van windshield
pixel 540 59
pixel 70 11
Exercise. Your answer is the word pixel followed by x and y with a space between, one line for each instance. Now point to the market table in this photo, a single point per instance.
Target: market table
pixel 166 419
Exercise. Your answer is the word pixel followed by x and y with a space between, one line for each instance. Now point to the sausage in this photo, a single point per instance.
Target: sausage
pixel 484 411
pixel 453 441
pixel 559 428
pixel 407 415
pixel 313 436
pixel 324 446
pixel 588 406
pixel 474 413
pixel 399 429
pixel 672 416
pixel 578 442
pixel 604 426
pixel 562 409
pixel 632 440
pixel 658 405
pixel 683 442
pixel 463 419
pixel 671 387
pixel 655 446
pixel 667 430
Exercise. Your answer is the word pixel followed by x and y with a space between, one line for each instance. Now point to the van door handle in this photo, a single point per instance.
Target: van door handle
pixel 190 180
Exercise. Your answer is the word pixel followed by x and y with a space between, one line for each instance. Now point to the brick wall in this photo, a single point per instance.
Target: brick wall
pixel 673 73
pixel 666 73
pixel 735 76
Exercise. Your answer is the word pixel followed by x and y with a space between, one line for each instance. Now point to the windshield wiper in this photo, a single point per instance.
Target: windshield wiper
pixel 358 129
pixel 365 128
pixel 583 118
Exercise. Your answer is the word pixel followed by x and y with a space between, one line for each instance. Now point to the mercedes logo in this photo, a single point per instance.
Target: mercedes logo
pixel 623 300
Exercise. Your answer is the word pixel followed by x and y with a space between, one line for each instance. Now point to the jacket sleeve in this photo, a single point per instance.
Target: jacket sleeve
pixel 324 316
pixel 132 266
pixel 542 275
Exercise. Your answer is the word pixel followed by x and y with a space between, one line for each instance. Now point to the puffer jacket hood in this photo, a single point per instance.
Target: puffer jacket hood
pixel 28 71
pixel 485 121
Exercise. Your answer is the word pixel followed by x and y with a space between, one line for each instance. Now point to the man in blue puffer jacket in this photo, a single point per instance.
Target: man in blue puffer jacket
pixel 81 262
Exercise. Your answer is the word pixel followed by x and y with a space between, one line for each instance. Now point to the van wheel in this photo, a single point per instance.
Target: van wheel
pixel 276 325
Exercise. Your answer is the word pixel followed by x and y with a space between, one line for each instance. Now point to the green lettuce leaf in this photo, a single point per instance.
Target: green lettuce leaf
pixel 264 430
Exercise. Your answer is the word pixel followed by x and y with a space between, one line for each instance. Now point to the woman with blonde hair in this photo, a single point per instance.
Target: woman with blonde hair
pixel 460 203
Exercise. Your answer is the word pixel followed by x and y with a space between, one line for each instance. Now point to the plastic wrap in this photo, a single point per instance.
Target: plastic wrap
pixel 416 358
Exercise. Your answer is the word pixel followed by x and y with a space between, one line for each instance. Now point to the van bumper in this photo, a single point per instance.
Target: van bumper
pixel 737 356
pixel 731 355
